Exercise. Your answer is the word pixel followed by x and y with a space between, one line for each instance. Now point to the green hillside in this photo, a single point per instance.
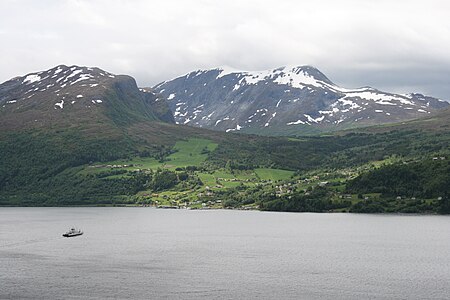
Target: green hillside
pixel 121 152
pixel 186 166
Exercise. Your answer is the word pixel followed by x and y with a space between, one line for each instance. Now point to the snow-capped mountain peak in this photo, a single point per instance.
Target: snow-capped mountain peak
pixel 283 98
pixel 296 76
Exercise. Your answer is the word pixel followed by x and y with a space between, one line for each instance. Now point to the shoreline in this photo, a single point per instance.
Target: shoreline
pixel 226 209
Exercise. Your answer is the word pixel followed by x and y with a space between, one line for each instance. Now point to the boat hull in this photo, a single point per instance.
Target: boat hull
pixel 71 234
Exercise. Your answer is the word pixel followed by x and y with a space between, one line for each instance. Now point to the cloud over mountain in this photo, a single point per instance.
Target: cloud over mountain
pixel 400 46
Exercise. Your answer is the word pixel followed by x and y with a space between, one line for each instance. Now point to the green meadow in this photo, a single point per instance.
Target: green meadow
pixel 192 152
pixel 273 174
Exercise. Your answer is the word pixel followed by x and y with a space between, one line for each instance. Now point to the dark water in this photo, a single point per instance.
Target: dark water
pixel 144 253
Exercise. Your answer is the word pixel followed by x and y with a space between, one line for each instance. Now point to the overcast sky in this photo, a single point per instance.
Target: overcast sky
pixel 395 45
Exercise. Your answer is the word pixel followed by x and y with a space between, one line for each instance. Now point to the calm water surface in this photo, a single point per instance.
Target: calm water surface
pixel 145 253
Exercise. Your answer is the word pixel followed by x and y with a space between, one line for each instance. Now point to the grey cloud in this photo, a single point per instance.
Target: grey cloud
pixel 399 46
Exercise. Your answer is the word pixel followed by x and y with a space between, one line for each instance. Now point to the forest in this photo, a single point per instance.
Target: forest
pixel 60 168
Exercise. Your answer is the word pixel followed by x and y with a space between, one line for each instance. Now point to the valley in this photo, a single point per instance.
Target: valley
pixel 127 150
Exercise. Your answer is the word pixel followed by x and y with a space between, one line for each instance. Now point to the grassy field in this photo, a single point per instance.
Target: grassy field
pixel 207 179
pixel 223 174
pixel 273 174
pixel 192 152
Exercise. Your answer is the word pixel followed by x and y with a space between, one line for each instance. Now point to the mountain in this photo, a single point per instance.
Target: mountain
pixel 284 101
pixel 83 136
pixel 438 123
pixel 76 96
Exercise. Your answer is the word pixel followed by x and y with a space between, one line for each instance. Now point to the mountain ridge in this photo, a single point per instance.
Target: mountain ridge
pixel 72 95
pixel 119 150
pixel 283 101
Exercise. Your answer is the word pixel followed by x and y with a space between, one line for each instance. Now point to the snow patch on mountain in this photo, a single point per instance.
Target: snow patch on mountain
pixel 238 127
pixel 82 77
pixel 278 103
pixel 60 104
pixel 296 122
pixel 295 77
pixel 314 120
pixel 31 78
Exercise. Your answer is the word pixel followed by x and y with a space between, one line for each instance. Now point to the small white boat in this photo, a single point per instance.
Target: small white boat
pixel 73 232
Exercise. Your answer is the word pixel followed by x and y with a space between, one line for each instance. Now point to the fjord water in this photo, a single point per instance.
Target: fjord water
pixel 146 253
